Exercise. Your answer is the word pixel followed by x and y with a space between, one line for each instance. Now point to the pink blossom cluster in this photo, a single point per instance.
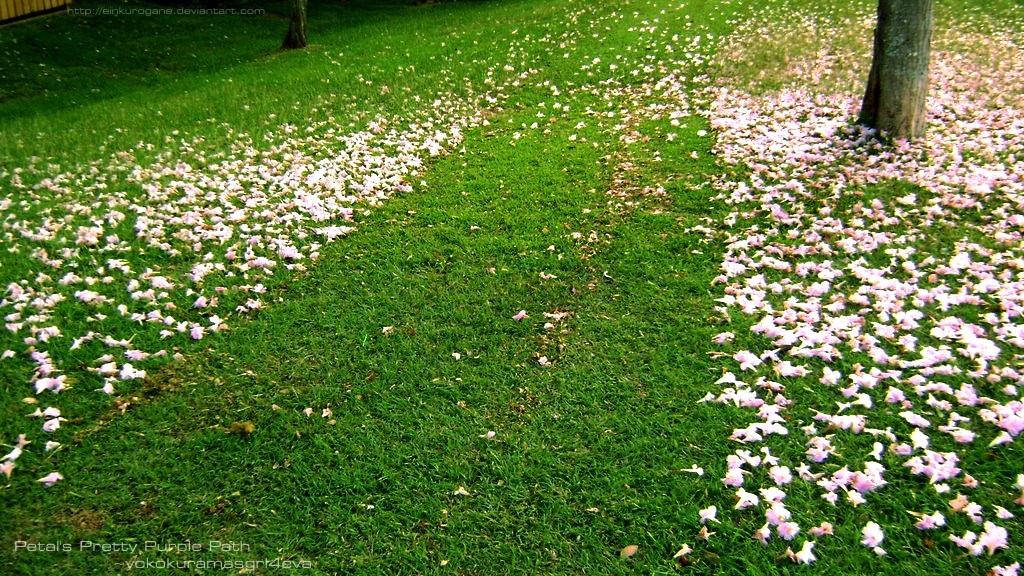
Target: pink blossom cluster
pixel 917 341
pixel 180 244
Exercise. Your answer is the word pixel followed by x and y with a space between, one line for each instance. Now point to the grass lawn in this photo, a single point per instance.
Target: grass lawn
pixel 446 293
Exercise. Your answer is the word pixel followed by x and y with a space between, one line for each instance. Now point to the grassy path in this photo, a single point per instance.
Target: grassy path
pixel 389 414
pixel 565 463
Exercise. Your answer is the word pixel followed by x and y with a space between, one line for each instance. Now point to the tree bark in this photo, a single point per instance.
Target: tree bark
pixel 296 36
pixel 897 89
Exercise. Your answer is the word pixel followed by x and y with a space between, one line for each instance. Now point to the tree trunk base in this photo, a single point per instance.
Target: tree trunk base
pixel 296 36
pixel 895 98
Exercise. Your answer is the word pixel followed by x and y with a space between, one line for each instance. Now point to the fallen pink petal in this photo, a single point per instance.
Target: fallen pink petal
pixel 50 479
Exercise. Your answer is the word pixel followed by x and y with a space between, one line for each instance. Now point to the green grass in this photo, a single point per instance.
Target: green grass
pixel 201 74
pixel 587 451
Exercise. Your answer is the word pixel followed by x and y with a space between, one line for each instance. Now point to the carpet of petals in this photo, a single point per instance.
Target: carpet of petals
pixel 179 246
pixel 891 356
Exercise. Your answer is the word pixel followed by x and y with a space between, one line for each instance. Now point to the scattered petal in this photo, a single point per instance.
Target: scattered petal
pixel 684 551
pixel 50 479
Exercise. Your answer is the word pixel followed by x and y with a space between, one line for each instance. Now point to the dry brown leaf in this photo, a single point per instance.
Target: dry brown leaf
pixel 242 428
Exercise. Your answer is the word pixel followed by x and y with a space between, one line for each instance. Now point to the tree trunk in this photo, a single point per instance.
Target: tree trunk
pixel 894 101
pixel 296 37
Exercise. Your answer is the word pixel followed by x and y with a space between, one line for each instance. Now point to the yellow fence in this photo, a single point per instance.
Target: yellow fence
pixel 14 9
